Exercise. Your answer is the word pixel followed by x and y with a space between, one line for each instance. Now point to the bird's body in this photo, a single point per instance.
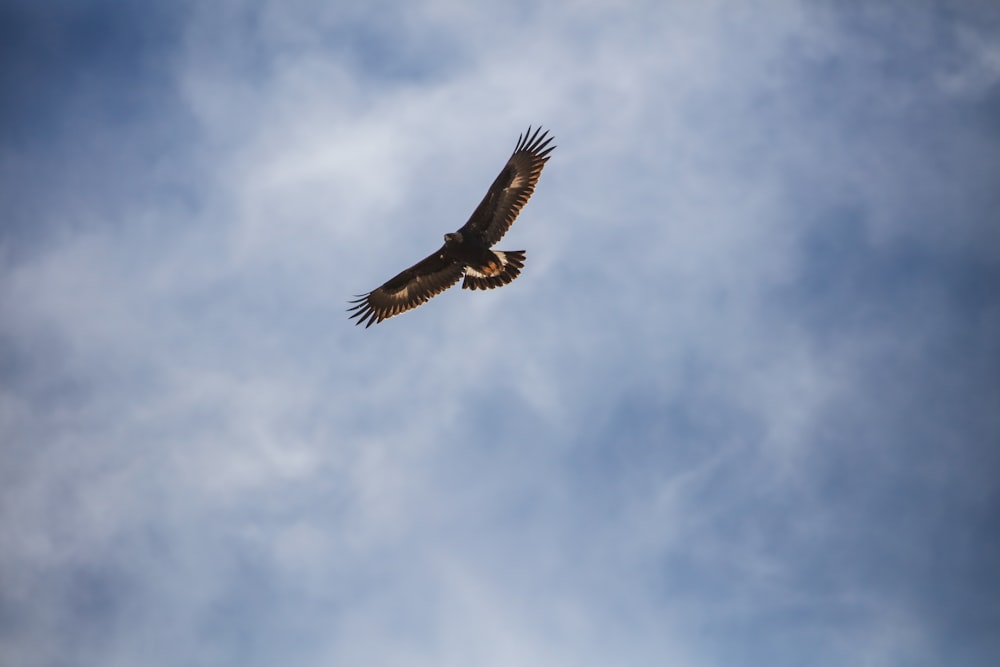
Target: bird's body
pixel 467 252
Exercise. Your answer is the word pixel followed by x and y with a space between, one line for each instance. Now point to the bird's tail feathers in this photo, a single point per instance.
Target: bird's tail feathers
pixel 503 270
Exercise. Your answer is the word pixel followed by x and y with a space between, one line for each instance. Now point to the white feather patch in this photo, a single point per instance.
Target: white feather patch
pixel 492 269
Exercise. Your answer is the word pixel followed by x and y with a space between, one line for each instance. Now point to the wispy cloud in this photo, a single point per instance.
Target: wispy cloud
pixel 740 407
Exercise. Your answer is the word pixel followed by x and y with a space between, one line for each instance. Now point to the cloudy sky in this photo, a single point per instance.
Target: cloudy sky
pixel 742 407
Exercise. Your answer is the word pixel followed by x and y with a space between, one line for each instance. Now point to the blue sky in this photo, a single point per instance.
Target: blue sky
pixel 742 407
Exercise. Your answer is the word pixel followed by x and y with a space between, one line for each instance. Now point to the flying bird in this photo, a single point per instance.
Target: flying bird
pixel 467 252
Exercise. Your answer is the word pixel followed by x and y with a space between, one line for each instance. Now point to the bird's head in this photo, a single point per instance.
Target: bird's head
pixel 453 237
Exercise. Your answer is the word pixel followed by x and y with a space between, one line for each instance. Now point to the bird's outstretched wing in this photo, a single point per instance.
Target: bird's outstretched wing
pixel 512 188
pixel 412 287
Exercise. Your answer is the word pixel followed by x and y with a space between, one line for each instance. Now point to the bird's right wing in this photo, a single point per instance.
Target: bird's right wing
pixel 409 289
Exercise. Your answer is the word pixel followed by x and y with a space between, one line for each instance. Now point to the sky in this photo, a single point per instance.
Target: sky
pixel 742 406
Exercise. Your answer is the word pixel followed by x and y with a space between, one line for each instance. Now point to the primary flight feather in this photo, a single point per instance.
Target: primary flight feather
pixel 467 252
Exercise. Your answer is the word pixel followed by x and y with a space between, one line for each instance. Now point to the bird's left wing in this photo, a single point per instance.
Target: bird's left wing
pixel 512 188
pixel 410 288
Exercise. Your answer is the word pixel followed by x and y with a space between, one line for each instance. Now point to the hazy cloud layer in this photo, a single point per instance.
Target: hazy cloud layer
pixel 741 407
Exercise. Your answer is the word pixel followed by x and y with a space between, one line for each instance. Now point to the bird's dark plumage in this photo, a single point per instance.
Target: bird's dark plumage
pixel 467 252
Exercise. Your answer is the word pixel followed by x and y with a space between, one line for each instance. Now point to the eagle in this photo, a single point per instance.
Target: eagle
pixel 467 252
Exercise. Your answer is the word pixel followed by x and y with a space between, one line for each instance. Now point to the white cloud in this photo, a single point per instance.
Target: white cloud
pixel 672 440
